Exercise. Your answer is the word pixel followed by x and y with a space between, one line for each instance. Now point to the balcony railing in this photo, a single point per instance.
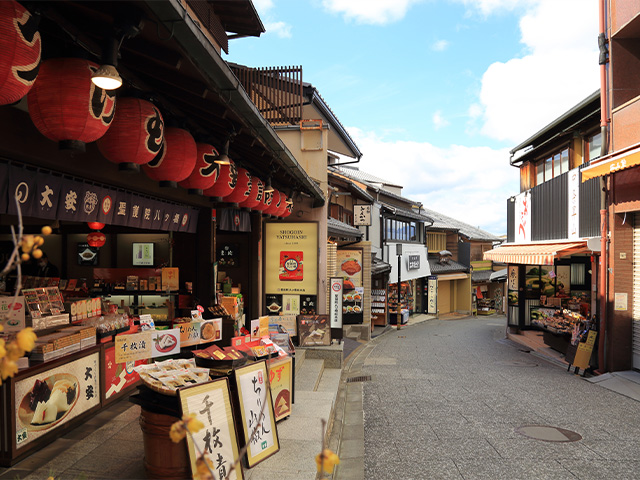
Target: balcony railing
pixel 550 210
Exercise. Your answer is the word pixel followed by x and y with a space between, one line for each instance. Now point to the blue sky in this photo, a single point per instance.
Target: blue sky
pixel 436 92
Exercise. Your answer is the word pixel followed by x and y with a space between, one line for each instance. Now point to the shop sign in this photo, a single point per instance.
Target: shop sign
pixel 378 305
pixel 350 267
pixel 574 204
pixel 196 333
pixel 314 330
pixel 130 348
pixel 165 342
pixel 118 376
pixel 336 302
pixel 413 262
pixel 620 301
pixel 287 322
pixel 523 217
pixel 362 215
pixel 291 304
pixel 254 392
pixel 432 295
pixel 260 328
pixel 70 390
pixel 585 349
pixel 512 279
pixel 22 186
pixel 211 404
pixel 47 194
pixel 12 311
pixel 281 381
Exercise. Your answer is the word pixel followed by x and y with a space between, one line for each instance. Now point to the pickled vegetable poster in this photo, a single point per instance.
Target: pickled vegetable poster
pixel 291 258
pixel 349 266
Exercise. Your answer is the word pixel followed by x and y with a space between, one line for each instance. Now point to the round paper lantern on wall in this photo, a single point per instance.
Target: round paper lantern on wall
pixel 95 225
pixel 65 105
pixel 96 239
pixel 255 197
pixel 226 183
pixel 206 171
pixel 176 160
pixel 20 51
pixel 288 210
pixel 275 204
pixel 267 198
pixel 242 190
pixel 283 205
pixel 136 134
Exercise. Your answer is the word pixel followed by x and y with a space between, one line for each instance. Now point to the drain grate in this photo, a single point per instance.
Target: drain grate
pixel 548 434
pixel 361 378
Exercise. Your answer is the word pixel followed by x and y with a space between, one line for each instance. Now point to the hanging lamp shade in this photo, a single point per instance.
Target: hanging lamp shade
pixel 65 105
pixel 283 205
pixel 20 51
pixel 96 239
pixel 226 183
pixel 255 197
pixel 275 203
pixel 176 160
pixel 242 190
pixel 95 225
pixel 136 134
pixel 205 173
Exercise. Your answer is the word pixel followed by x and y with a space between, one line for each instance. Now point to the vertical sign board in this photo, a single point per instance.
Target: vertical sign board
pixel 335 306
pixel 362 215
pixel 574 204
pixel 523 218
pixel 432 295
pixel 211 404
pixel 583 355
pixel 281 381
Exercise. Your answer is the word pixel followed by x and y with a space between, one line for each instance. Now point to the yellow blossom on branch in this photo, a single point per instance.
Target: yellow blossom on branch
pixel 14 352
pixel 26 339
pixel 3 351
pixel 188 423
pixel 8 368
pixel 204 467
pixel 326 461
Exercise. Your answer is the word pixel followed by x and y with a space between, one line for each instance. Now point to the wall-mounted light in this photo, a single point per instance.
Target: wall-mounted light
pixel 223 158
pixel 268 187
pixel 107 76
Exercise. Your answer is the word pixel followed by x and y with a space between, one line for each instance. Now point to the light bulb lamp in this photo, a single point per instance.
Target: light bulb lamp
pixel 268 187
pixel 107 76
pixel 223 158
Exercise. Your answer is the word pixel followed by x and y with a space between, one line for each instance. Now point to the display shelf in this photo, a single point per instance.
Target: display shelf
pixel 486 306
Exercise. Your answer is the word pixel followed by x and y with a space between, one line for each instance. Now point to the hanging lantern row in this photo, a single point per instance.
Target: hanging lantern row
pixel 67 107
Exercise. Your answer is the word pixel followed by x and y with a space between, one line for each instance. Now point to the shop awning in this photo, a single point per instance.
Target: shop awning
pixel 534 254
pixel 612 164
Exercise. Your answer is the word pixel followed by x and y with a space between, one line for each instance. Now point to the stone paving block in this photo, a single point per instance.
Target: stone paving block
pixel 600 469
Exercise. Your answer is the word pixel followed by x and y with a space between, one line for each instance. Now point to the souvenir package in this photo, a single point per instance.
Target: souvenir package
pixel 167 376
pixel 291 266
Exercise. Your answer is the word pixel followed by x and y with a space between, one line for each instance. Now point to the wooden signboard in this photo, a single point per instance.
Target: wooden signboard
pixel 314 330
pixel 281 380
pixel 583 355
pixel 211 403
pixel 253 390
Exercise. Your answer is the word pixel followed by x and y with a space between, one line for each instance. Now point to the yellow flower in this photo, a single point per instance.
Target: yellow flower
pixel 14 352
pixel 204 467
pixel 188 423
pixel 26 339
pixel 192 423
pixel 177 432
pixel 1 328
pixel 327 460
pixel 8 368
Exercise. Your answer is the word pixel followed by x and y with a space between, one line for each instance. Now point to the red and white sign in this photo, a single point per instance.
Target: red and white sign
pixel 335 306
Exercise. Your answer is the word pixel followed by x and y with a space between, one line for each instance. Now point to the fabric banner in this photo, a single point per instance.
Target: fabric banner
pixel 122 208
pixel 48 193
pixel 107 206
pixel 22 185
pixel 135 212
pixel 234 220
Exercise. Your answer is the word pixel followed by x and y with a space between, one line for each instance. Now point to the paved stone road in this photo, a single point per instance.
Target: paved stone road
pixel 446 397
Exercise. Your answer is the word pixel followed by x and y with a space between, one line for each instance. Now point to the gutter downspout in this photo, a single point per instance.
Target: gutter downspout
pixel 602 283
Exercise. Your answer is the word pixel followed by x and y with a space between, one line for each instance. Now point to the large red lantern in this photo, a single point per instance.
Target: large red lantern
pixel 243 188
pixel 226 183
pixel 288 209
pixel 95 225
pixel 275 203
pixel 283 205
pixel 255 197
pixel 65 105
pixel 135 136
pixel 205 173
pixel 267 198
pixel 176 160
pixel 20 50
pixel 96 239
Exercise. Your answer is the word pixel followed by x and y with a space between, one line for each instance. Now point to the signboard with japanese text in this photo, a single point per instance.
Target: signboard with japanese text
pixel 291 258
pixel 259 328
pixel 349 267
pixel 314 330
pixel 362 215
pixel 49 399
pixel 253 392
pixel 195 333
pixel 130 348
pixel 523 217
pixel 432 295
pixel 288 322
pixel 512 279
pixel 335 301
pixel 281 381
pixel 118 376
pixel 211 403
pixel 574 204
pixel 170 278
pixel 585 349
pixel 12 312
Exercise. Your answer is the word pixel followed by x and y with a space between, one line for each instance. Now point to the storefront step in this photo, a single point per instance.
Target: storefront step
pixel 309 375
pixel 358 332
pixel 331 354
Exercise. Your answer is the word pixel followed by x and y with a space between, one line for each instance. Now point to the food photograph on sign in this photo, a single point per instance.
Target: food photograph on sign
pixel 350 268
pixel 314 330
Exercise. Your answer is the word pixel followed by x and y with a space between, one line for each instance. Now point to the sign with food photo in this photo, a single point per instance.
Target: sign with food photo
pixel 349 264
pixel 314 330
pixel 51 398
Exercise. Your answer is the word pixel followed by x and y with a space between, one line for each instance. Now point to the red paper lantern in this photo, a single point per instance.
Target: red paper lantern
pixel 288 210
pixel 65 105
pixel 206 171
pixel 96 239
pixel 20 49
pixel 283 205
pixel 255 197
pixel 135 136
pixel 267 198
pixel 243 188
pixel 275 204
pixel 95 225
pixel 226 183
pixel 176 160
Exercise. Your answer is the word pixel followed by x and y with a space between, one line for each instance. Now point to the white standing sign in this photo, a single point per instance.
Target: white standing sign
pixel 574 204
pixel 336 301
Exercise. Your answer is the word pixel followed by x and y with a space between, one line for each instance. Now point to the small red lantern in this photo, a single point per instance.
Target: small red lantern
pixel 95 225
pixel 275 203
pixel 243 188
pixel 65 105
pixel 135 136
pixel 226 183
pixel 255 197
pixel 206 171
pixel 21 48
pixel 176 160
pixel 96 239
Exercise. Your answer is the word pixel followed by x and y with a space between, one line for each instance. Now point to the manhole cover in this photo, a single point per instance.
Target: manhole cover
pixel 516 363
pixel 548 434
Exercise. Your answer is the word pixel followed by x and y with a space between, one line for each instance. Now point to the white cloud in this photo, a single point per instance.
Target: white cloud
pixel 376 12
pixel 439 121
pixel 281 29
pixel 262 6
pixel 440 45
pixel 487 7
pixel 453 181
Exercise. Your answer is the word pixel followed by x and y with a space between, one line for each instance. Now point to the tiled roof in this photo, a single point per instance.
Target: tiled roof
pixel 341 229
pixel 378 267
pixel 450 267
pixel 361 176
pixel 481 276
pixel 472 233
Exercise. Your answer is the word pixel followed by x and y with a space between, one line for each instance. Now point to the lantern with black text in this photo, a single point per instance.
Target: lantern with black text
pixel 275 203
pixel 226 183
pixel 66 106
pixel 255 197
pixel 205 173
pixel 136 135
pixel 288 209
pixel 267 198
pixel 176 160
pixel 96 239
pixel 242 190
pixel 20 50
pixel 283 205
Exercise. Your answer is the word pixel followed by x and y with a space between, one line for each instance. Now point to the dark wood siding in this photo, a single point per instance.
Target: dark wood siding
pixel 590 208
pixel 550 210
pixel 511 221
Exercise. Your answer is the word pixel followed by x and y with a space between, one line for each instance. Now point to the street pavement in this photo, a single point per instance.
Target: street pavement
pixel 447 398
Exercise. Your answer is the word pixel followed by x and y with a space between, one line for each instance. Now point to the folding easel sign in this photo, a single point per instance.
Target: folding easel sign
pixel 218 440
pixel 258 423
